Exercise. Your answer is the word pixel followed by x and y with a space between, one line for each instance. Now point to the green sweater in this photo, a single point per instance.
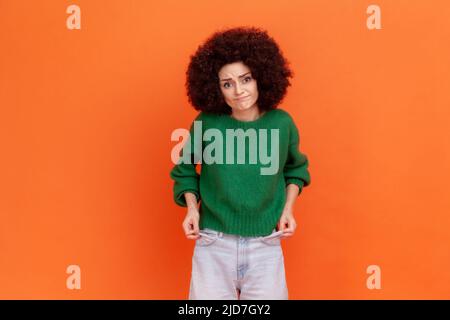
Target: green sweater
pixel 239 195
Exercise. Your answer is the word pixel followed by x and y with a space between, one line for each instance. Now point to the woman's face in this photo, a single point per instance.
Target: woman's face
pixel 238 87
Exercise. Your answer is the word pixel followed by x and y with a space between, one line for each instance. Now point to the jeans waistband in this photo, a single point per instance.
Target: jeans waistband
pixel 221 234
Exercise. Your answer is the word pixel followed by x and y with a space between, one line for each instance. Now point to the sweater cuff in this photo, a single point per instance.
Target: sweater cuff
pixel 181 200
pixel 296 181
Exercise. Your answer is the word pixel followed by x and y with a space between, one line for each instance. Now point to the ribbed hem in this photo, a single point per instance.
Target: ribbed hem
pixel 246 225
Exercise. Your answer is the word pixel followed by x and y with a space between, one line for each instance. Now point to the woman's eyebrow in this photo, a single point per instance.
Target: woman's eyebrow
pixel 238 77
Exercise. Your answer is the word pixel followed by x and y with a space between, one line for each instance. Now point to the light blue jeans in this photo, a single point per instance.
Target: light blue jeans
pixel 231 267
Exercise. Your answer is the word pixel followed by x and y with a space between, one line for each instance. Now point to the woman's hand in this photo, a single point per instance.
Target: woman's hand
pixel 190 224
pixel 287 223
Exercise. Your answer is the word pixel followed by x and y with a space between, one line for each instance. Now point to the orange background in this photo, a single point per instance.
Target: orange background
pixel 86 120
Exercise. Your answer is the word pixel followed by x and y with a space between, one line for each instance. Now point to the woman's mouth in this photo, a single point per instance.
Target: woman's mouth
pixel 240 99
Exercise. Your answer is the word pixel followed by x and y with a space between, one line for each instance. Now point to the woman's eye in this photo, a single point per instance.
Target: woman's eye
pixel 245 80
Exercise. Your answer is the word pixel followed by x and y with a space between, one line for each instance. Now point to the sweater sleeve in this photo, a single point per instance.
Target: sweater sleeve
pixel 296 167
pixel 184 174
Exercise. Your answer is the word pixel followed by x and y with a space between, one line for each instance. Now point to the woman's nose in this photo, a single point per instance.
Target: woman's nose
pixel 238 89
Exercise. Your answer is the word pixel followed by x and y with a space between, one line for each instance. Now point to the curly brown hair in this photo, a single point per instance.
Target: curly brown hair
pixel 253 47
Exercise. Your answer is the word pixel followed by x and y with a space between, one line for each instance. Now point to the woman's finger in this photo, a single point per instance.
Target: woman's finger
pixel 287 234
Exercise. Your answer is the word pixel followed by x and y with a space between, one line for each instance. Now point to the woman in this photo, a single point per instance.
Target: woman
pixel 237 78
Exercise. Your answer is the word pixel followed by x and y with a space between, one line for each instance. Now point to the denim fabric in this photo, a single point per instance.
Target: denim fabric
pixel 232 267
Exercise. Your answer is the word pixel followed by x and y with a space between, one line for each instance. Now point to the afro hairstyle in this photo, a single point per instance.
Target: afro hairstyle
pixel 249 45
